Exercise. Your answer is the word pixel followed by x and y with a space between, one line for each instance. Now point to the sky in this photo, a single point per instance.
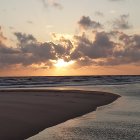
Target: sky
pixel 69 37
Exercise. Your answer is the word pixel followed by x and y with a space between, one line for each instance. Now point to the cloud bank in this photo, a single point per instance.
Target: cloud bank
pixel 101 48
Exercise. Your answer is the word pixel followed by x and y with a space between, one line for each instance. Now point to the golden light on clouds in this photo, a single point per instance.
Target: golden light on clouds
pixel 62 64
pixel 58 36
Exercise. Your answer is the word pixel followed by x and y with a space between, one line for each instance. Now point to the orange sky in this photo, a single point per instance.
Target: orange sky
pixel 117 70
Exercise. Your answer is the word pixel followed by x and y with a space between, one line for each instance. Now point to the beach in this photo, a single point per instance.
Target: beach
pixel 24 113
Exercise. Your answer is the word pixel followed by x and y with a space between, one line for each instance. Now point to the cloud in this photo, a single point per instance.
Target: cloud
pixel 108 48
pixel 2 37
pixel 122 22
pixel 27 52
pixel 24 38
pixel 53 3
pixel 86 23
pixel 30 52
pixel 85 61
pixel 131 45
pixel 101 48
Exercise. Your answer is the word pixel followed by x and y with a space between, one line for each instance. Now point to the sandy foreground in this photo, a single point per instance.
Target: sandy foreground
pixel 24 113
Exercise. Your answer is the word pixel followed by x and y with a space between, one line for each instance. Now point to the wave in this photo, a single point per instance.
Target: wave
pixel 56 81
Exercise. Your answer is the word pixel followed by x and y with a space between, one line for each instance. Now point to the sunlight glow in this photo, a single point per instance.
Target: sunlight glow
pixel 61 63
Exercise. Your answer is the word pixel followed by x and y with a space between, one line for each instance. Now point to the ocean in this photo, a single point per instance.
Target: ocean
pixel 65 81
pixel 117 121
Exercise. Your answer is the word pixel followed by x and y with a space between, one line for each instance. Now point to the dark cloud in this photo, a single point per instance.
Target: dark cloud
pixel 108 48
pixel 131 45
pixel 27 52
pixel 125 51
pixel 86 23
pixel 101 47
pixel 24 38
pixel 121 23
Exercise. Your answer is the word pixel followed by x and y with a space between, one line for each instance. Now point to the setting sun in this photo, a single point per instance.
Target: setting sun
pixel 61 63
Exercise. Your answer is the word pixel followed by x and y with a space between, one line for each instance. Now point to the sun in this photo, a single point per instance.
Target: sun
pixel 61 63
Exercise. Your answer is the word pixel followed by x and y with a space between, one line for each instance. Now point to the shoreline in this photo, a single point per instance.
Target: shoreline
pixel 25 113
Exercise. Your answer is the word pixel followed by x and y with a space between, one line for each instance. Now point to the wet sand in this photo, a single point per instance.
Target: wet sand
pixel 24 113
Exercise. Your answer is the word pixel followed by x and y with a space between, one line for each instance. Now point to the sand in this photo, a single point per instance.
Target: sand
pixel 24 113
